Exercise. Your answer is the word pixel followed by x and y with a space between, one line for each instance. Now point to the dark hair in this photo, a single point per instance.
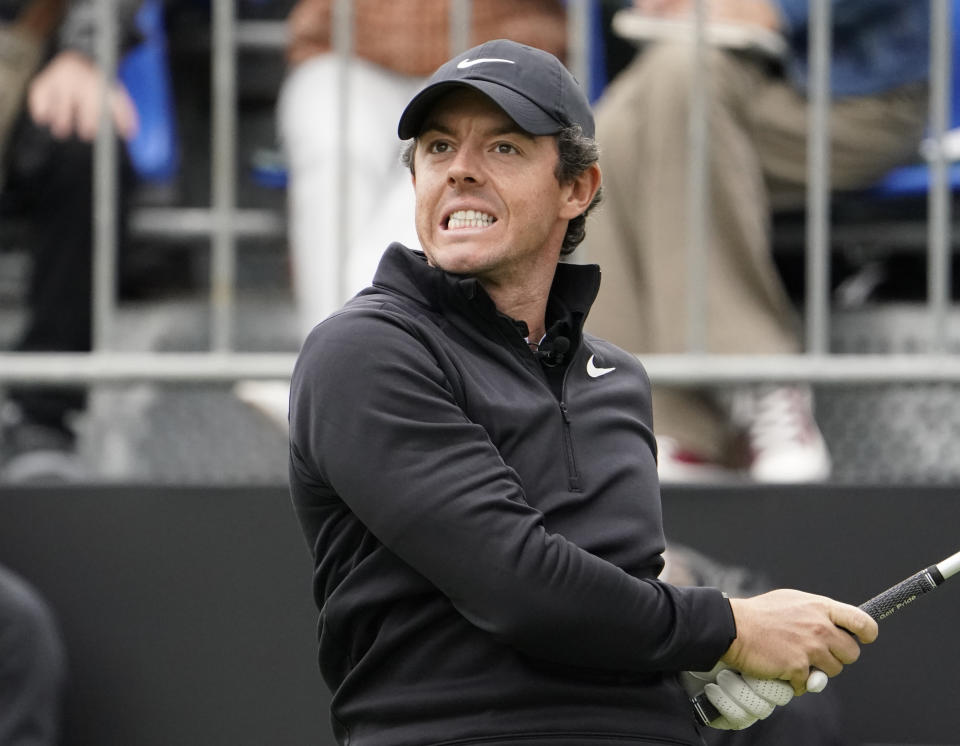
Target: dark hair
pixel 577 153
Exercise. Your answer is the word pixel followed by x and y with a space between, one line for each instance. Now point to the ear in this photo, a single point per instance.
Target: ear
pixel 578 194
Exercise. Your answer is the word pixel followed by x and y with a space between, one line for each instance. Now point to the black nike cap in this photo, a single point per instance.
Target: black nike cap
pixel 530 85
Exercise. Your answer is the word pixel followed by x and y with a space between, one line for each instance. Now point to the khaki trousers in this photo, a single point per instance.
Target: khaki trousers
pixel 757 132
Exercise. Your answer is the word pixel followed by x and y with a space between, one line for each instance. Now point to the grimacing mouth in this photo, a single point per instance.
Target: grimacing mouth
pixel 460 219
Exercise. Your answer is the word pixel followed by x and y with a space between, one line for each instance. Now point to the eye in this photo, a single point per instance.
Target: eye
pixel 505 148
pixel 439 146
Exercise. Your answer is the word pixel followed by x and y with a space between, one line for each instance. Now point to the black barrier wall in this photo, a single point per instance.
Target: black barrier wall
pixel 189 620
pixel 187 614
pixel 852 543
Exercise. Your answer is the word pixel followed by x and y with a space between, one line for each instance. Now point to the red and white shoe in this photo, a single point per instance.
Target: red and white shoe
pixel 785 444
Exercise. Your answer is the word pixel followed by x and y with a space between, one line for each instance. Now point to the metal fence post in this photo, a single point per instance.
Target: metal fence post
pixel 818 181
pixel 103 281
pixel 223 147
pixel 938 206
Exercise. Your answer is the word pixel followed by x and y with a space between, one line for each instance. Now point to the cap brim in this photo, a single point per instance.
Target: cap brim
pixel 528 116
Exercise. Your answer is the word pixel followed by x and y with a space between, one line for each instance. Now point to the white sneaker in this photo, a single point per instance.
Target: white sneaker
pixel 676 464
pixel 785 444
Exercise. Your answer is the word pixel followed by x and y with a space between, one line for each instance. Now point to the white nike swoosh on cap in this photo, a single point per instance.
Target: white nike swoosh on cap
pixel 594 372
pixel 470 63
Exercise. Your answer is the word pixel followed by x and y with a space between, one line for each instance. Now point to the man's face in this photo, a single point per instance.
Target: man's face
pixel 488 200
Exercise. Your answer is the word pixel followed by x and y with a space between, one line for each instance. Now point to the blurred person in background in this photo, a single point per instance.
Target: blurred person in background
pixel 756 132
pixel 32 666
pixel 395 47
pixel 50 104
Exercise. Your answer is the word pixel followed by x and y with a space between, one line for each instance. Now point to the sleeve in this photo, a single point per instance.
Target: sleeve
pixel 79 28
pixel 373 415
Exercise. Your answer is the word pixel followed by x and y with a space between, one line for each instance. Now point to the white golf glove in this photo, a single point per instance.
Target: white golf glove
pixel 741 700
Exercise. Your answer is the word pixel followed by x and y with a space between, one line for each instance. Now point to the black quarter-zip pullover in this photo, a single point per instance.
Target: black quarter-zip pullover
pixel 486 529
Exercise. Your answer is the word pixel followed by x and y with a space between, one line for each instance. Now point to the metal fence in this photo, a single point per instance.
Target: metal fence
pixel 223 221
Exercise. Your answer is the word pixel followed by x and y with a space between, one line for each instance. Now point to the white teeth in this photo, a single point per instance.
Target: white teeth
pixel 469 219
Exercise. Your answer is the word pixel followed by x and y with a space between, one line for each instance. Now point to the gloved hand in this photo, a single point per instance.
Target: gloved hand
pixel 741 700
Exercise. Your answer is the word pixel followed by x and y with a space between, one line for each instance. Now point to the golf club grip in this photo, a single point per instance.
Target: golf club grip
pixel 905 592
pixel 879 607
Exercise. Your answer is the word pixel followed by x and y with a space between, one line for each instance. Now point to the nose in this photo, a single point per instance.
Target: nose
pixel 465 168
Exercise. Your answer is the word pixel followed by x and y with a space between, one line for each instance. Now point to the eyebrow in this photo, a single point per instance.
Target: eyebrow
pixel 434 125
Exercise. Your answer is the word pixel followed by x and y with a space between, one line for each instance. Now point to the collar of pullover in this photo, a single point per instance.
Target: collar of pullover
pixel 405 271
